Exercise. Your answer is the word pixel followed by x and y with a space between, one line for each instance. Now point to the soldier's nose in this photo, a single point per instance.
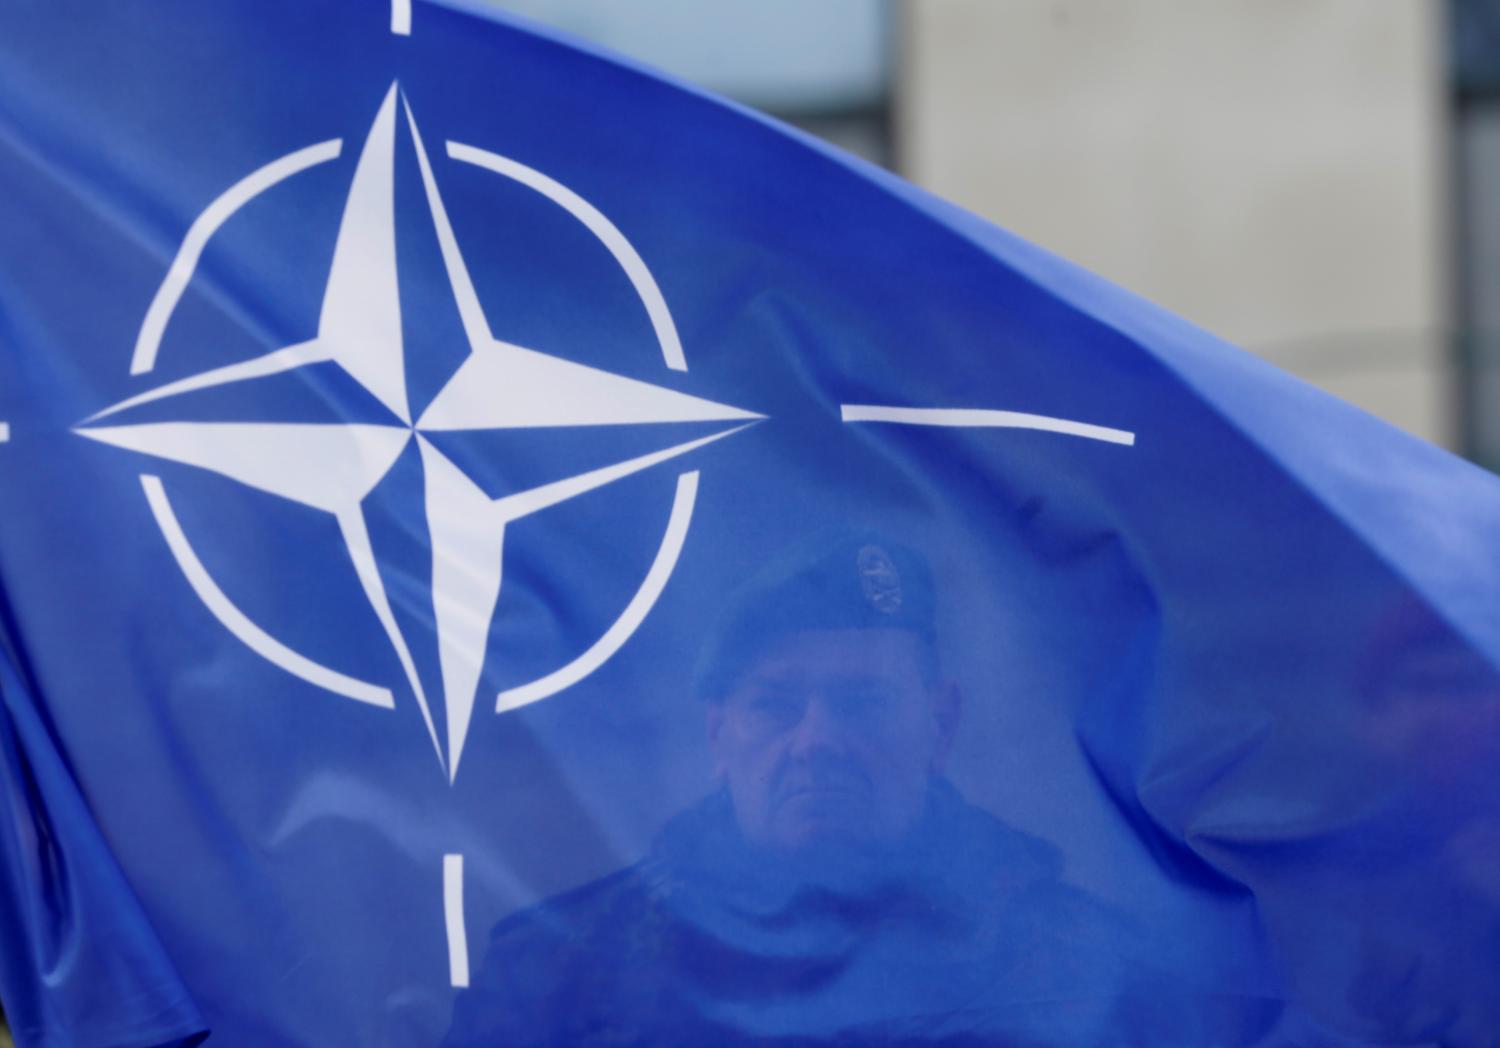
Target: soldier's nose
pixel 819 730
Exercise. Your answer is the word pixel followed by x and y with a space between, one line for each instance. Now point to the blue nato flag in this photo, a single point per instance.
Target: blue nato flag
pixel 499 547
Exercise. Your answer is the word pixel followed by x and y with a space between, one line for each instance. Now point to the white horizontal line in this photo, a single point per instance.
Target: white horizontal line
pixel 983 418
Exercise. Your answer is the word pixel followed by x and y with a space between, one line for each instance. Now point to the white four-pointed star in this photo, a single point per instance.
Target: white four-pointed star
pixel 333 467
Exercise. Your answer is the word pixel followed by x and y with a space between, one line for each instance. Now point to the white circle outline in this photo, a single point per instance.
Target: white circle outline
pixel 164 304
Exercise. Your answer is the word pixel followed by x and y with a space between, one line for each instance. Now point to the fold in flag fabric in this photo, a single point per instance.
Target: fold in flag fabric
pixel 498 547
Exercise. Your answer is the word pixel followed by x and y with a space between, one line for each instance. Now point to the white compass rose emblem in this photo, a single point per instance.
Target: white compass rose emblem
pixel 333 467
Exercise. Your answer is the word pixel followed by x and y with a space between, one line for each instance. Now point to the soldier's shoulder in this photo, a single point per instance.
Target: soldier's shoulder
pixel 582 916
pixel 550 974
pixel 986 843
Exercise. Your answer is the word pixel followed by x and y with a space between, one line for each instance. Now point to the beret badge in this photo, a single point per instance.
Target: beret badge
pixel 879 580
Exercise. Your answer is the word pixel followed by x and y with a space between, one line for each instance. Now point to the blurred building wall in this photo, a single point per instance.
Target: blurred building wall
pixel 1273 170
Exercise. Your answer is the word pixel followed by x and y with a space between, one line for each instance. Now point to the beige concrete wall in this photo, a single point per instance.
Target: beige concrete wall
pixel 1271 169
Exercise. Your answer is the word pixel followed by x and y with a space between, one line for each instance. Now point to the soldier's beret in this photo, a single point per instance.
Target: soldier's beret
pixel 837 580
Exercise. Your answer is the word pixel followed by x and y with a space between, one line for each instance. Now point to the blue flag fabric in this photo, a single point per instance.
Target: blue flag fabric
pixel 500 548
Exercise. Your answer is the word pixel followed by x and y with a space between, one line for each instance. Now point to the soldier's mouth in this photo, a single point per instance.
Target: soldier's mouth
pixel 831 793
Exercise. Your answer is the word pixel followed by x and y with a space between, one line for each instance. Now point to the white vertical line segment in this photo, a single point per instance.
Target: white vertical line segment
pixel 982 418
pixel 401 17
pixel 4 432
pixel 453 917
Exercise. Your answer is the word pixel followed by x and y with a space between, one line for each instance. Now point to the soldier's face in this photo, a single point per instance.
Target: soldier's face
pixel 830 738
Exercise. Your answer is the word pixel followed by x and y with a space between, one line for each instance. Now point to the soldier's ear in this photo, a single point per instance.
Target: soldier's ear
pixel 947 706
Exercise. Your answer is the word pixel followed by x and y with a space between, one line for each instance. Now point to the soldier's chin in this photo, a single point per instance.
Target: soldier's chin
pixel 830 823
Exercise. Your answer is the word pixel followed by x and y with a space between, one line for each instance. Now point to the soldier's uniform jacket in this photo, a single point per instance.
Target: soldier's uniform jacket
pixel 963 935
